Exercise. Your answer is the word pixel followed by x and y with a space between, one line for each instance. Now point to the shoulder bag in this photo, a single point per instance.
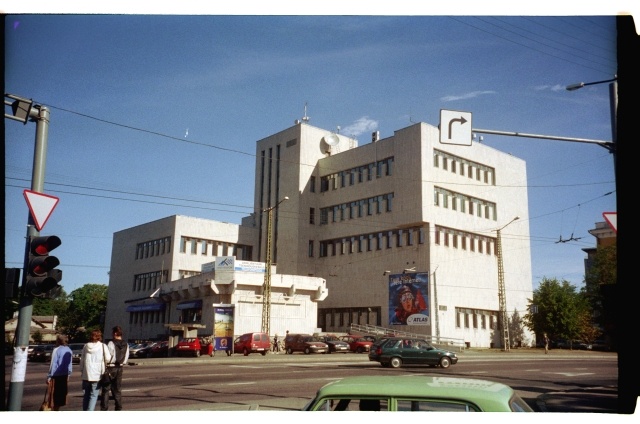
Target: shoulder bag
pixel 105 378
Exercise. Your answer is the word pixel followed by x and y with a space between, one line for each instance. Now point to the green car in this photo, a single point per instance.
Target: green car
pixel 416 393
pixel 396 351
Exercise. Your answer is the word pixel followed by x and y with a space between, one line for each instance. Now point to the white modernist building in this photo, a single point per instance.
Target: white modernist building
pixel 400 233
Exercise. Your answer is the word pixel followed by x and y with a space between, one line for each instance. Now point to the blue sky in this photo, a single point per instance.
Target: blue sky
pixel 153 116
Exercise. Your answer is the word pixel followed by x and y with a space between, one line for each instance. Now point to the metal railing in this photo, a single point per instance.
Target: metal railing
pixel 372 330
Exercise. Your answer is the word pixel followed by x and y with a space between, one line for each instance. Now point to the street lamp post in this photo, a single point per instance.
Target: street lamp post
pixel 266 287
pixel 613 105
pixel 502 297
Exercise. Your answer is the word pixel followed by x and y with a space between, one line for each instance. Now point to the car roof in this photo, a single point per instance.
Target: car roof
pixel 487 395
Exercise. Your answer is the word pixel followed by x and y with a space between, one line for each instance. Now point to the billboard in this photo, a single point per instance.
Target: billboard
pixel 223 327
pixel 409 299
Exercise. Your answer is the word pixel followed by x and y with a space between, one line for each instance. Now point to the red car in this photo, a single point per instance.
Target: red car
pixel 188 346
pixel 159 350
pixel 357 344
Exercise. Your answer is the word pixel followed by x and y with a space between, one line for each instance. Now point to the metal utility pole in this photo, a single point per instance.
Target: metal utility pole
pixel 613 105
pixel 435 306
pixel 502 297
pixel 23 111
pixel 266 287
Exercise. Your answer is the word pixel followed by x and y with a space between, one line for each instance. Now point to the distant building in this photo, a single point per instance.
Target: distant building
pixel 405 218
pixel 45 325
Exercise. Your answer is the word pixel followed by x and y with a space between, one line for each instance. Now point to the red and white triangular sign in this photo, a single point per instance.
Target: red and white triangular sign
pixel 41 206
pixel 612 220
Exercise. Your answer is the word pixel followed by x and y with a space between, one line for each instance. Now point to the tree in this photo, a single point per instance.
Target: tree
pixel 561 310
pixel 600 284
pixel 85 311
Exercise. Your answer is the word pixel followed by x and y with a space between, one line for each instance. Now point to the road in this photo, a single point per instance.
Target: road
pixel 286 382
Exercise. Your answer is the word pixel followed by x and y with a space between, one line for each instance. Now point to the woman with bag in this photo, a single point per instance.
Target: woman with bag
pixel 95 355
pixel 59 372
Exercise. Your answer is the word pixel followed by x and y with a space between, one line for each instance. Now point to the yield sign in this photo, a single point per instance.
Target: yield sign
pixel 41 206
pixel 612 219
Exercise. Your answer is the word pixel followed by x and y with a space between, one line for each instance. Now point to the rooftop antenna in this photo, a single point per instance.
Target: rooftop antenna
pixel 305 118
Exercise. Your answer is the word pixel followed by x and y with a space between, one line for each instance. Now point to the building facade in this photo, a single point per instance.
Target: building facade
pixel 401 220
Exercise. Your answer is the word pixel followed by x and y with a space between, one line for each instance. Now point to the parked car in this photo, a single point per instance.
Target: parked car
pixel 357 344
pixel 335 344
pixel 41 353
pixel 398 351
pixel 144 351
pixel 252 343
pixel 76 352
pixel 159 350
pixel 304 343
pixel 133 350
pixel 188 346
pixel 600 344
pixel 416 393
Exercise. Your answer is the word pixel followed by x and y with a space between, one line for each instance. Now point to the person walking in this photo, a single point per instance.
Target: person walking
pixel 60 371
pixel 546 344
pixel 119 351
pixel 95 355
pixel 276 344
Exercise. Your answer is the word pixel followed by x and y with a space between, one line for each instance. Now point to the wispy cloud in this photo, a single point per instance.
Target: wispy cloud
pixel 359 127
pixel 465 96
pixel 556 87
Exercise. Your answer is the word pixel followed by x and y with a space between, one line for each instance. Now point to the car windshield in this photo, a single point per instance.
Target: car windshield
pixel 310 339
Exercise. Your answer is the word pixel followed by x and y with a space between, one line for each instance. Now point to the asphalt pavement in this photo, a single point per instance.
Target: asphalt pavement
pixel 602 400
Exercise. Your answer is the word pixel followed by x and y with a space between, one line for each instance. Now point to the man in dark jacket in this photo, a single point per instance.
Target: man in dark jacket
pixel 119 356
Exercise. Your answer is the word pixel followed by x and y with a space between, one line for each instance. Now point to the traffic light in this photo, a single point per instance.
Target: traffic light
pixel 41 275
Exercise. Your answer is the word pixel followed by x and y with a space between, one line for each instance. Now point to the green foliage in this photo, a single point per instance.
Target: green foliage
pixel 85 312
pixel 562 311
pixel 600 285
pixel 37 337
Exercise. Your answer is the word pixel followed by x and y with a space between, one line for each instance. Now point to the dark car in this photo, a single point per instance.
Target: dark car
pixel 76 352
pixel 159 350
pixel 335 344
pixel 304 343
pixel 41 353
pixel 145 351
pixel 397 351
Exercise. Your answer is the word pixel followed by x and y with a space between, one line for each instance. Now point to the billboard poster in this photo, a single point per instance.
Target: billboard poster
pixel 409 299
pixel 223 327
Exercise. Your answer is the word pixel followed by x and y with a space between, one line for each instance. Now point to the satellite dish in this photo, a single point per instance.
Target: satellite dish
pixel 331 139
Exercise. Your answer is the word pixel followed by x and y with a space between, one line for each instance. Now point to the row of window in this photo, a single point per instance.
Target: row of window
pixel 476 318
pixel 149 280
pixel 355 209
pixel 147 317
pixel 151 248
pixel 462 166
pixel 204 247
pixel 369 242
pixel 463 203
pixel 355 175
pixel 463 240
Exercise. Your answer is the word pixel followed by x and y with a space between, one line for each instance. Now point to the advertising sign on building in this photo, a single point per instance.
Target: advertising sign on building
pixel 409 299
pixel 223 327
pixel 230 263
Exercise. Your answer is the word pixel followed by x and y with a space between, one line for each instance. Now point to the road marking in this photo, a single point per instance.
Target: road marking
pixel 571 374
pixel 238 384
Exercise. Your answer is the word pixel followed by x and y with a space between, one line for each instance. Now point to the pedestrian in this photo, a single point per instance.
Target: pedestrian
pixel 60 371
pixel 546 344
pixel 119 352
pixel 276 345
pixel 95 356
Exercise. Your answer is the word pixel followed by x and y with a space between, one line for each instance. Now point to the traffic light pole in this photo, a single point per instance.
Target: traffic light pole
pixel 39 114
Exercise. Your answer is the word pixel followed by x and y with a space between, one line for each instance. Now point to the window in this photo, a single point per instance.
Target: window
pixel 310 252
pixel 312 184
pixel 204 247
pixel 312 216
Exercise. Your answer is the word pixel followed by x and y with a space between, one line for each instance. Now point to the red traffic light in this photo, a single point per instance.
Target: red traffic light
pixel 41 246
